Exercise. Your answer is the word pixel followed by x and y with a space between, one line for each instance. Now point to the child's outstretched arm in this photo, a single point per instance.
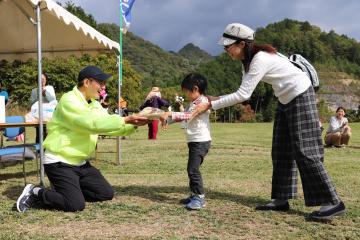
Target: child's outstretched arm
pixel 171 117
pixel 164 119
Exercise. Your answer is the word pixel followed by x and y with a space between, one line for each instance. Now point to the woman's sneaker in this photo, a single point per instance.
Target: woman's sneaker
pixel 196 203
pixel 27 199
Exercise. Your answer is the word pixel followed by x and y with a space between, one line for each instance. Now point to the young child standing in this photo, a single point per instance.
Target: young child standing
pixel 197 134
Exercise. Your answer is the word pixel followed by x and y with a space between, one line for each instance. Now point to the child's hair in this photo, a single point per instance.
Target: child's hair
pixel 193 80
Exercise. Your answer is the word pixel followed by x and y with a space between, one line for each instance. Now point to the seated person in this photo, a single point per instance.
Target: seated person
pixel 338 132
pixel 3 92
pixel 48 94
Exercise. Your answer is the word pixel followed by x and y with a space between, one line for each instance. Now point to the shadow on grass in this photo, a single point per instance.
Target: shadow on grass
pixel 353 147
pixel 13 192
pixel 158 194
pixel 6 176
pixel 161 194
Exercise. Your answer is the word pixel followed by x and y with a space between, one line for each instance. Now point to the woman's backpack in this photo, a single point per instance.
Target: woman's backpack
pixel 304 65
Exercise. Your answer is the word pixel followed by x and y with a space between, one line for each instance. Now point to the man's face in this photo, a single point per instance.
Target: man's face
pixel 93 88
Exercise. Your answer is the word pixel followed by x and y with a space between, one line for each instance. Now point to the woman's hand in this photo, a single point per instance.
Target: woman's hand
pixel 136 120
pixel 203 107
pixel 346 129
pixel 212 98
pixel 200 108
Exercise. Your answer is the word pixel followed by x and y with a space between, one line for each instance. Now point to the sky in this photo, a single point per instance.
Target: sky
pixel 171 24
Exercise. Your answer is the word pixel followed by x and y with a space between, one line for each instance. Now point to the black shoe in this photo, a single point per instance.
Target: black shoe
pixel 27 199
pixel 284 207
pixel 337 210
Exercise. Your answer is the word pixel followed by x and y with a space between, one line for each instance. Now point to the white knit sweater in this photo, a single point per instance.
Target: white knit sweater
pixel 286 80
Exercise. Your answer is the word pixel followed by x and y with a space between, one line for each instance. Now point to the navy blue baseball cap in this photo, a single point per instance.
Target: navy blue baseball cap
pixel 94 73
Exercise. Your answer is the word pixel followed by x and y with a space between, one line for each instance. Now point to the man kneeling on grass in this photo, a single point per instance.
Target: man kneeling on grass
pixel 72 135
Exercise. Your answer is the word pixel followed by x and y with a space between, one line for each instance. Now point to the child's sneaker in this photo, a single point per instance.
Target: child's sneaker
pixel 196 203
pixel 186 200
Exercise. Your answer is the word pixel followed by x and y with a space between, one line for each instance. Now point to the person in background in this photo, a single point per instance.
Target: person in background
pixel 3 92
pixel 197 135
pixel 338 133
pixel 296 143
pixel 48 94
pixel 123 107
pixel 73 132
pixel 179 103
pixel 103 95
pixel 154 100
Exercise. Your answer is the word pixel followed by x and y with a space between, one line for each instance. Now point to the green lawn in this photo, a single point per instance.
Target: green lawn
pixel 152 179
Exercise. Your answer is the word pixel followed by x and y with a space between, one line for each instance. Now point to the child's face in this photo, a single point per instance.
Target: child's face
pixel 192 95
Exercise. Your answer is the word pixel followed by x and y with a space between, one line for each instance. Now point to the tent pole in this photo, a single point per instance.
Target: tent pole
pixel 39 58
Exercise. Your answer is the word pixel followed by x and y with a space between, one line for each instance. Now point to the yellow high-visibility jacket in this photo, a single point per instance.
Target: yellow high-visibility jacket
pixel 74 128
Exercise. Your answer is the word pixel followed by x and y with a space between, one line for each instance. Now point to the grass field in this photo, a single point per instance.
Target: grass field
pixel 152 179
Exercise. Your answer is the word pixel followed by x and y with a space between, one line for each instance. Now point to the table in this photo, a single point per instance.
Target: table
pixel 24 124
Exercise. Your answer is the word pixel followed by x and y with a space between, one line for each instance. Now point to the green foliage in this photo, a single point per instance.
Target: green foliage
pixel 222 73
pixel 336 51
pixel 169 94
pixel 80 13
pixel 353 115
pixel 158 67
pixel 324 111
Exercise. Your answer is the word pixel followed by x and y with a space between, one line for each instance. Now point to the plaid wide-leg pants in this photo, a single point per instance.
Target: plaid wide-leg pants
pixel 297 143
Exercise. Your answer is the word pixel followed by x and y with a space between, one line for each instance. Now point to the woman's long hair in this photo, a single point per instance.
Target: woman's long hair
pixel 251 49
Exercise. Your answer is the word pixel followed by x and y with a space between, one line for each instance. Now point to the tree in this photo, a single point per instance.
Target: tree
pixel 80 13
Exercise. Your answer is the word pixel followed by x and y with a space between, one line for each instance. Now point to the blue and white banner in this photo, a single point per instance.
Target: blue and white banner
pixel 126 6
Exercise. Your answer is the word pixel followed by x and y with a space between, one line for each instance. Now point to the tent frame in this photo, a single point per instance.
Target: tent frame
pixel 39 58
pixel 38 8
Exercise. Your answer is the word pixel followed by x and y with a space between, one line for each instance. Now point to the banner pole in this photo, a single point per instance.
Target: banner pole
pixel 120 62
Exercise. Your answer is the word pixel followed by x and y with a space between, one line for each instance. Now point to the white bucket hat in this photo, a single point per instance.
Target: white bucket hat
pixel 234 32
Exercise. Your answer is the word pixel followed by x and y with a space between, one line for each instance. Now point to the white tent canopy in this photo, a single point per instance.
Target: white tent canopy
pixel 63 34
pixel 33 28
